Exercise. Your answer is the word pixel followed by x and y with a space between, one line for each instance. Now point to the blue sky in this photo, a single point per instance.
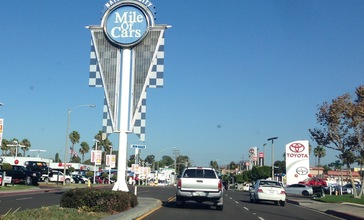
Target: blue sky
pixel 236 73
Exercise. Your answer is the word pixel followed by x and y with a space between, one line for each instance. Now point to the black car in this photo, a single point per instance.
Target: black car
pixel 78 179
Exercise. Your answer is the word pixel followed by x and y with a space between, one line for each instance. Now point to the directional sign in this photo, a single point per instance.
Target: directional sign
pixel 138 146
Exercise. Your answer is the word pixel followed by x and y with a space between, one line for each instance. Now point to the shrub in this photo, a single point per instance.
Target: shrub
pixel 98 200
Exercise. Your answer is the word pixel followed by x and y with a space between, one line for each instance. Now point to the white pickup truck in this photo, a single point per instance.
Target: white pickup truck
pixel 56 176
pixel 200 184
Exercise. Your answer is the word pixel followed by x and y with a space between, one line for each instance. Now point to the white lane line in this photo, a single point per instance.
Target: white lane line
pixel 26 198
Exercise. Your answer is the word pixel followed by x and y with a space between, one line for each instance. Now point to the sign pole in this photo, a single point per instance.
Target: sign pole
pixel 120 184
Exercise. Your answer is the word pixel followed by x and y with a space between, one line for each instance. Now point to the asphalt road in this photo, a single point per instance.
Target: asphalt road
pixel 28 201
pixel 236 206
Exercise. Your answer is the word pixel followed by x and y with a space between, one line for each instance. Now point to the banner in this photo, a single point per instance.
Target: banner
pixel 1 129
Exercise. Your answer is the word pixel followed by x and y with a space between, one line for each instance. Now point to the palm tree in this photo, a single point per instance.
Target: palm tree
pixel 74 138
pixel 4 147
pixel 26 145
pixel 85 148
pixel 319 152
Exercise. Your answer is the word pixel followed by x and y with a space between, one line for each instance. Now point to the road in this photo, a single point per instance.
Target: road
pixel 236 206
pixel 28 201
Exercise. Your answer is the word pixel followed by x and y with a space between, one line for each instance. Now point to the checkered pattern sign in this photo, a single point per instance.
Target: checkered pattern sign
pixel 148 66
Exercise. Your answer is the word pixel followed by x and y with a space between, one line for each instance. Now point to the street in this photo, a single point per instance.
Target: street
pixel 236 206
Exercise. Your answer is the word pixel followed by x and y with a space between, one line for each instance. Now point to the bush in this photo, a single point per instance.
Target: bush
pixel 98 200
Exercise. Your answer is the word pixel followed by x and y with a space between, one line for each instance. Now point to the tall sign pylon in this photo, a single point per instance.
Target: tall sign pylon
pixel 127 57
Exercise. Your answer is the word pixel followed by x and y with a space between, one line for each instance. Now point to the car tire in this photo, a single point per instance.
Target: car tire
pixel 282 203
pixel 220 207
pixel 28 181
pixel 305 193
pixel 251 198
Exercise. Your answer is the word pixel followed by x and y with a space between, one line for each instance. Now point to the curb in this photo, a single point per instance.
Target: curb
pixel 145 205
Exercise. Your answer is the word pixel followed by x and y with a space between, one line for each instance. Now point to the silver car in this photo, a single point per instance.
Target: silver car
pixel 299 189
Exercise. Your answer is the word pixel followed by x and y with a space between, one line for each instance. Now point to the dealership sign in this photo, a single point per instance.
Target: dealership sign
pixel 297 161
pixel 127 23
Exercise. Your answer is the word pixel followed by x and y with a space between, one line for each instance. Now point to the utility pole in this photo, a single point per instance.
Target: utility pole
pixel 176 153
pixel 272 139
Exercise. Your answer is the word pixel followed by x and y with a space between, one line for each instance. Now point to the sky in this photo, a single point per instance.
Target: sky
pixel 236 73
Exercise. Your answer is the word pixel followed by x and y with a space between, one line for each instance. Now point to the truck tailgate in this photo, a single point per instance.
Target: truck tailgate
pixel 200 184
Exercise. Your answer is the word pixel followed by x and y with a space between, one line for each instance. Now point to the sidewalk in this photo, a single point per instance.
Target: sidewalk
pixel 343 210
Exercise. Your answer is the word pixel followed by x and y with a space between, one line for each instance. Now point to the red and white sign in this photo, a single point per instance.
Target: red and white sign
pixel 96 156
pixel 111 161
pixel 297 161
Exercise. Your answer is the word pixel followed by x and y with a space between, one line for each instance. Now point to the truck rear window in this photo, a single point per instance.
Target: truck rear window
pixel 199 173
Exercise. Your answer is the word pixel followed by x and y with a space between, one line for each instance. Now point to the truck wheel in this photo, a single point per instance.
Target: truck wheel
pixel 68 181
pixel 220 207
pixel 180 202
pixel 28 181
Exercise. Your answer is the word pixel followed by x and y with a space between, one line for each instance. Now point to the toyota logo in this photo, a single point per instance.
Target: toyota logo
pixel 297 148
pixel 302 170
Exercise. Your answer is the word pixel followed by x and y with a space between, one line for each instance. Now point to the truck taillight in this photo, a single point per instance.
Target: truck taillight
pixel 219 185
pixel 179 184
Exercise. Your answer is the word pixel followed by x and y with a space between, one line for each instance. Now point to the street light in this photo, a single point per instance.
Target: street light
pixel 272 139
pixel 67 131
pixel 264 154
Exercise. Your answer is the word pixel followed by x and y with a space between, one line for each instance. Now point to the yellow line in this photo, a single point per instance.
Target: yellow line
pixel 170 199
pixel 148 213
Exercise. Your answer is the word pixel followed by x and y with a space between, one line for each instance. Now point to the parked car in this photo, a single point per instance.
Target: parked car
pixel 299 189
pixel 268 190
pixel 314 181
pixel 347 188
pixel 78 179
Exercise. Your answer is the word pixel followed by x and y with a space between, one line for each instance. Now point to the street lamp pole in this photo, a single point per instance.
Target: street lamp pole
pixel 67 131
pixel 264 154
pixel 272 139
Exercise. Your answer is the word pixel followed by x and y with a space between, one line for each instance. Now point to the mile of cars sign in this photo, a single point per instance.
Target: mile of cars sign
pixel 297 161
pixel 127 57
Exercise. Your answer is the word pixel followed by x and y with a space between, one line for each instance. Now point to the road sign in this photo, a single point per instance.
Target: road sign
pixel 138 146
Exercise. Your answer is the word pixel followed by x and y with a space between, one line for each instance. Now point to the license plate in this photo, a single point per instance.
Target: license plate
pixel 198 194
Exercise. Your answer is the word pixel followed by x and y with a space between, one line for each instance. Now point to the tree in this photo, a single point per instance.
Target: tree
pixel 319 152
pixel 182 162
pixel 74 138
pixel 4 147
pixel 281 166
pixel 150 159
pixel 85 148
pixel 260 172
pixel 342 127
pixel 56 158
pixel 26 145
pixel 214 165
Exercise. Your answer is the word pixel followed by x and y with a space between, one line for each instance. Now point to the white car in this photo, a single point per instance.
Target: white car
pixel 268 190
pixel 299 189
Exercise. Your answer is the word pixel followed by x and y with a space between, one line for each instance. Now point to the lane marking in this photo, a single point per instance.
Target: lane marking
pixel 26 198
